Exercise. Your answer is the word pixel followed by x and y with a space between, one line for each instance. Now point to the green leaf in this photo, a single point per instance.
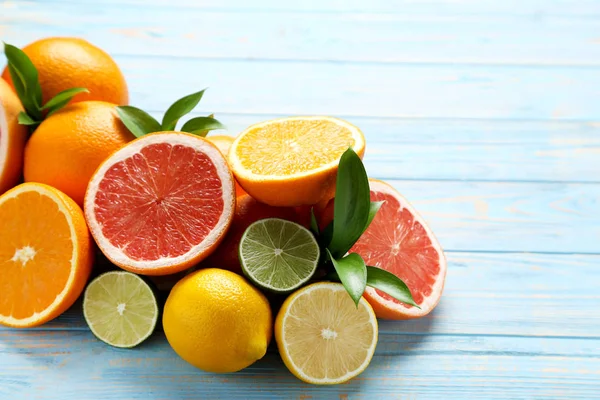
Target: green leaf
pixel 180 108
pixel 352 203
pixel 201 125
pixel 373 208
pixel 352 273
pixel 314 225
pixel 58 107
pixel 23 72
pixel 18 81
pixel 326 234
pixel 25 119
pixel 138 122
pixel 390 284
pixel 61 99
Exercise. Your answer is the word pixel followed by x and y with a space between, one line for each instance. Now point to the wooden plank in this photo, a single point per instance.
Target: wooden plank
pixel 530 8
pixel 479 150
pixel 493 294
pixel 410 36
pixel 533 217
pixel 367 90
pixel 48 364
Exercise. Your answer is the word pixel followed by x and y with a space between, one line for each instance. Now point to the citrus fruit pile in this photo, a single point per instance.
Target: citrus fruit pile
pixel 282 214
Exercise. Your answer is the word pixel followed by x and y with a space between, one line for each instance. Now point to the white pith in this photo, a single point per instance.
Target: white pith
pixel 362 303
pixel 24 255
pixel 430 301
pixel 114 253
pixel 240 170
pixel 41 189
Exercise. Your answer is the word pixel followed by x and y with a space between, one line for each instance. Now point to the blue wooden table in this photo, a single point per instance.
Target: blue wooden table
pixel 484 113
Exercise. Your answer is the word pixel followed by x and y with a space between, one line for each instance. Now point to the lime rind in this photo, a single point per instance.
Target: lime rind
pixel 120 308
pixel 278 255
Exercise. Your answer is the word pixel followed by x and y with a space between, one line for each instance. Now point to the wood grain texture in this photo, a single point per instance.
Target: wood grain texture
pixel 34 363
pixel 529 8
pixel 350 89
pixel 415 90
pixel 470 150
pixel 408 35
pixel 493 295
pixel 483 113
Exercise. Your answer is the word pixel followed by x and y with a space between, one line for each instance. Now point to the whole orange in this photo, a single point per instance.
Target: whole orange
pixel 65 62
pixel 67 147
pixel 223 143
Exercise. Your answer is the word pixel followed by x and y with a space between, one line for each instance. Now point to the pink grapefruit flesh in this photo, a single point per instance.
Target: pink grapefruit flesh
pixel 161 204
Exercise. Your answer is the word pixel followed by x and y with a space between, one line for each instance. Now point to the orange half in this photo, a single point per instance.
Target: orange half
pixel 291 162
pixel 45 254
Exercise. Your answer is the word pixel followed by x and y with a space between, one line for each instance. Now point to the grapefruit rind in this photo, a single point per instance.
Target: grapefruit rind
pixel 42 317
pixel 163 265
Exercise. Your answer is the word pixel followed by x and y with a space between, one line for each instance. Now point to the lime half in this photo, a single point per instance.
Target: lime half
pixel 278 255
pixel 120 308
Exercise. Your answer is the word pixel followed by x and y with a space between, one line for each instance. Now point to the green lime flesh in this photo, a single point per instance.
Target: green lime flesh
pixel 120 309
pixel 278 255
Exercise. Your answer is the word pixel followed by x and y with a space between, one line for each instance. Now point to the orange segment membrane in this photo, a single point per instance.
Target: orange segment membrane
pixel 160 202
pixel 36 250
pixel 404 249
pixel 291 147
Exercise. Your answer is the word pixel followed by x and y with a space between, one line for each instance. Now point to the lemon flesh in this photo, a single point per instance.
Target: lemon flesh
pixel 323 337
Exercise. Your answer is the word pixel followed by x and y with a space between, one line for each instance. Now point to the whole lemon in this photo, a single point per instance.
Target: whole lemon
pixel 215 320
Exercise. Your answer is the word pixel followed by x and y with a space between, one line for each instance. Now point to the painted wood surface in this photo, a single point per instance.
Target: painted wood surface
pixel 483 113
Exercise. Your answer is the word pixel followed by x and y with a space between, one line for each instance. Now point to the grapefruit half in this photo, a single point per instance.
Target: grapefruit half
pixel 399 241
pixel 12 138
pixel 161 204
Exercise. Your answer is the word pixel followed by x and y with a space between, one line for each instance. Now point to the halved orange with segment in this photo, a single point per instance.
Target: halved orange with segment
pixel 45 254
pixel 291 162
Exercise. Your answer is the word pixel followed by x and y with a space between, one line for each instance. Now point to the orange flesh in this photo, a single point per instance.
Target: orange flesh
pixel 291 147
pixel 397 243
pixel 35 254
